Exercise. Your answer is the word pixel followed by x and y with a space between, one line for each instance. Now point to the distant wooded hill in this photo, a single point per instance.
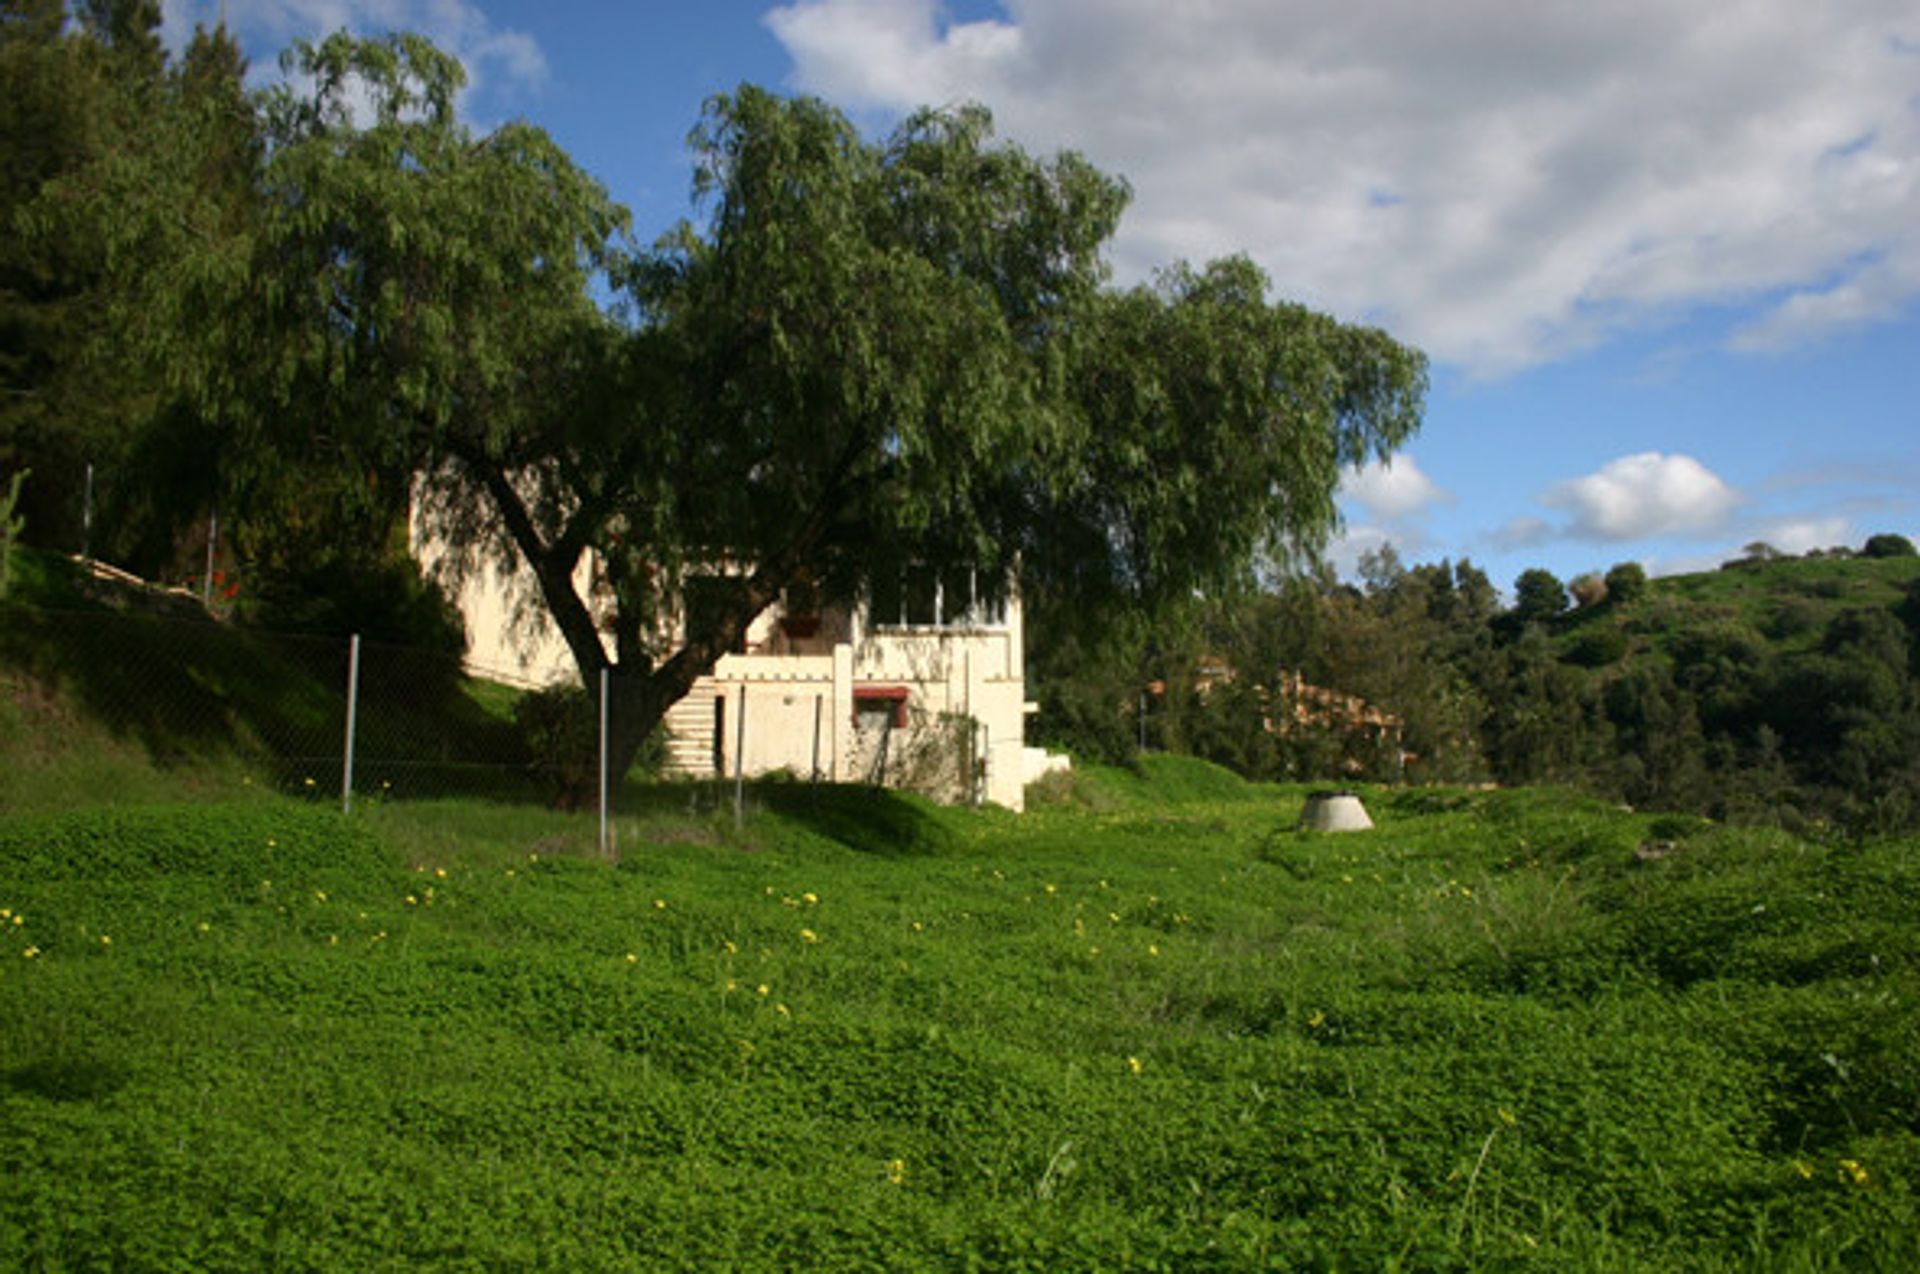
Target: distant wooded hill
pixel 1774 689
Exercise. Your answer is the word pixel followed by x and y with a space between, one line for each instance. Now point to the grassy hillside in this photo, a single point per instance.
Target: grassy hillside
pixel 113 691
pixel 1786 604
pixel 1154 1027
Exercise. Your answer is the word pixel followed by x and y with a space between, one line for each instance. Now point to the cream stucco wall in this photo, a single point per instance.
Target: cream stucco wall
pixel 802 691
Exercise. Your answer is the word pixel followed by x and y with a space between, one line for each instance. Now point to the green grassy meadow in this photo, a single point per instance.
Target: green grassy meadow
pixel 1150 1027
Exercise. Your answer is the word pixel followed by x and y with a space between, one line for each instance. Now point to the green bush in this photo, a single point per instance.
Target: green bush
pixel 1887 545
pixel 560 728
pixel 1597 646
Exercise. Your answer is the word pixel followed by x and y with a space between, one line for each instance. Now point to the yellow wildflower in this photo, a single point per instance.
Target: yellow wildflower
pixel 105 941
pixel 204 927
pixel 1804 1168
pixel 30 953
pixel 731 948
pixel 632 958
pixel 763 988
pixel 1135 1065
pixel 1053 889
pixel 1854 1172
pixel 808 935
pixel 1152 950
pixel 897 1171
pixel 659 904
pixel 412 901
pixel 1317 1019
pixel 782 1010
pixel 810 898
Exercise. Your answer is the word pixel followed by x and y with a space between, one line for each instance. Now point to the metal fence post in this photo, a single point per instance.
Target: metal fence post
pixel 353 707
pixel 206 580
pixel 603 760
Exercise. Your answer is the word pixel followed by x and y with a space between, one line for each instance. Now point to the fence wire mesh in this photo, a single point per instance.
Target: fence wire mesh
pixel 190 691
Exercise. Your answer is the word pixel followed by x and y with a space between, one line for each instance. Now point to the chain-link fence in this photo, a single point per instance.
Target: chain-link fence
pixel 321 715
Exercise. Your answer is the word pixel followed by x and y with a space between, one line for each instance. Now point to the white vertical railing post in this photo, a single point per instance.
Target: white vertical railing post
pixel 819 706
pixel 353 710
pixel 603 760
pixel 740 760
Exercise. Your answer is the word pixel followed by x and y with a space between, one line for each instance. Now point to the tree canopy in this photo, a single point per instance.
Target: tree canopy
pixel 859 354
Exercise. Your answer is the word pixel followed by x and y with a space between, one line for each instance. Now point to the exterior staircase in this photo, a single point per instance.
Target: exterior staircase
pixel 690 733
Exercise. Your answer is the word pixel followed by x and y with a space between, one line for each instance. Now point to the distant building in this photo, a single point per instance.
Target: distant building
pixel 921 685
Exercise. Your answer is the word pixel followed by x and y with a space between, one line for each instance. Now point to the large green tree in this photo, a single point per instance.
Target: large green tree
pixel 861 354
pixel 80 84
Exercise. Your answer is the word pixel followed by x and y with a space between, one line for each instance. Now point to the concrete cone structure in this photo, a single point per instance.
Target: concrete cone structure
pixel 1335 812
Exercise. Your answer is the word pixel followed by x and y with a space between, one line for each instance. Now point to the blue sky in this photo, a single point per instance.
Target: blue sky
pixel 1665 257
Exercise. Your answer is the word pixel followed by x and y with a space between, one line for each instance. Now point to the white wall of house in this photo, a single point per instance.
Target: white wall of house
pixel 819 705
pixel 816 698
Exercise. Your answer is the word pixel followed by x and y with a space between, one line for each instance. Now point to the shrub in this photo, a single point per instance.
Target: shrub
pixel 1626 583
pixel 1538 596
pixel 1888 545
pixel 560 730
pixel 1597 647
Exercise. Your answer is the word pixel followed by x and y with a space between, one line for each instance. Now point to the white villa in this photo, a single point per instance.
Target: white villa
pixel 922 685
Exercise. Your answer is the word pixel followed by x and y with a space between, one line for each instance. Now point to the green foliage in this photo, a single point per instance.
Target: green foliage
pixel 113 679
pixel 1888 545
pixel 1626 583
pixel 559 727
pixel 938 377
pixel 1597 645
pixel 1782 693
pixel 1167 1033
pixel 231 846
pixel 11 524
pixel 382 598
pixel 1539 597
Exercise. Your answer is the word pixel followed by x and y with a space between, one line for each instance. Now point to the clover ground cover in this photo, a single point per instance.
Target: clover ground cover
pixel 1164 1033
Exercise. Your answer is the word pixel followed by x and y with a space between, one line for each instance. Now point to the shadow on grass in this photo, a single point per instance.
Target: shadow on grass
pixel 68 1079
pixel 867 820
pixel 191 691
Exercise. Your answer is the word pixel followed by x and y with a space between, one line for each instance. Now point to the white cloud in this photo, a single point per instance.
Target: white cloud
pixel 1355 542
pixel 1797 535
pixel 1391 490
pixel 500 63
pixel 1501 184
pixel 1522 533
pixel 1644 496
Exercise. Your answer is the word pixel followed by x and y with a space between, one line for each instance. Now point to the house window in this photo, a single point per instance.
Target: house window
pixel 923 597
pixel 888 701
